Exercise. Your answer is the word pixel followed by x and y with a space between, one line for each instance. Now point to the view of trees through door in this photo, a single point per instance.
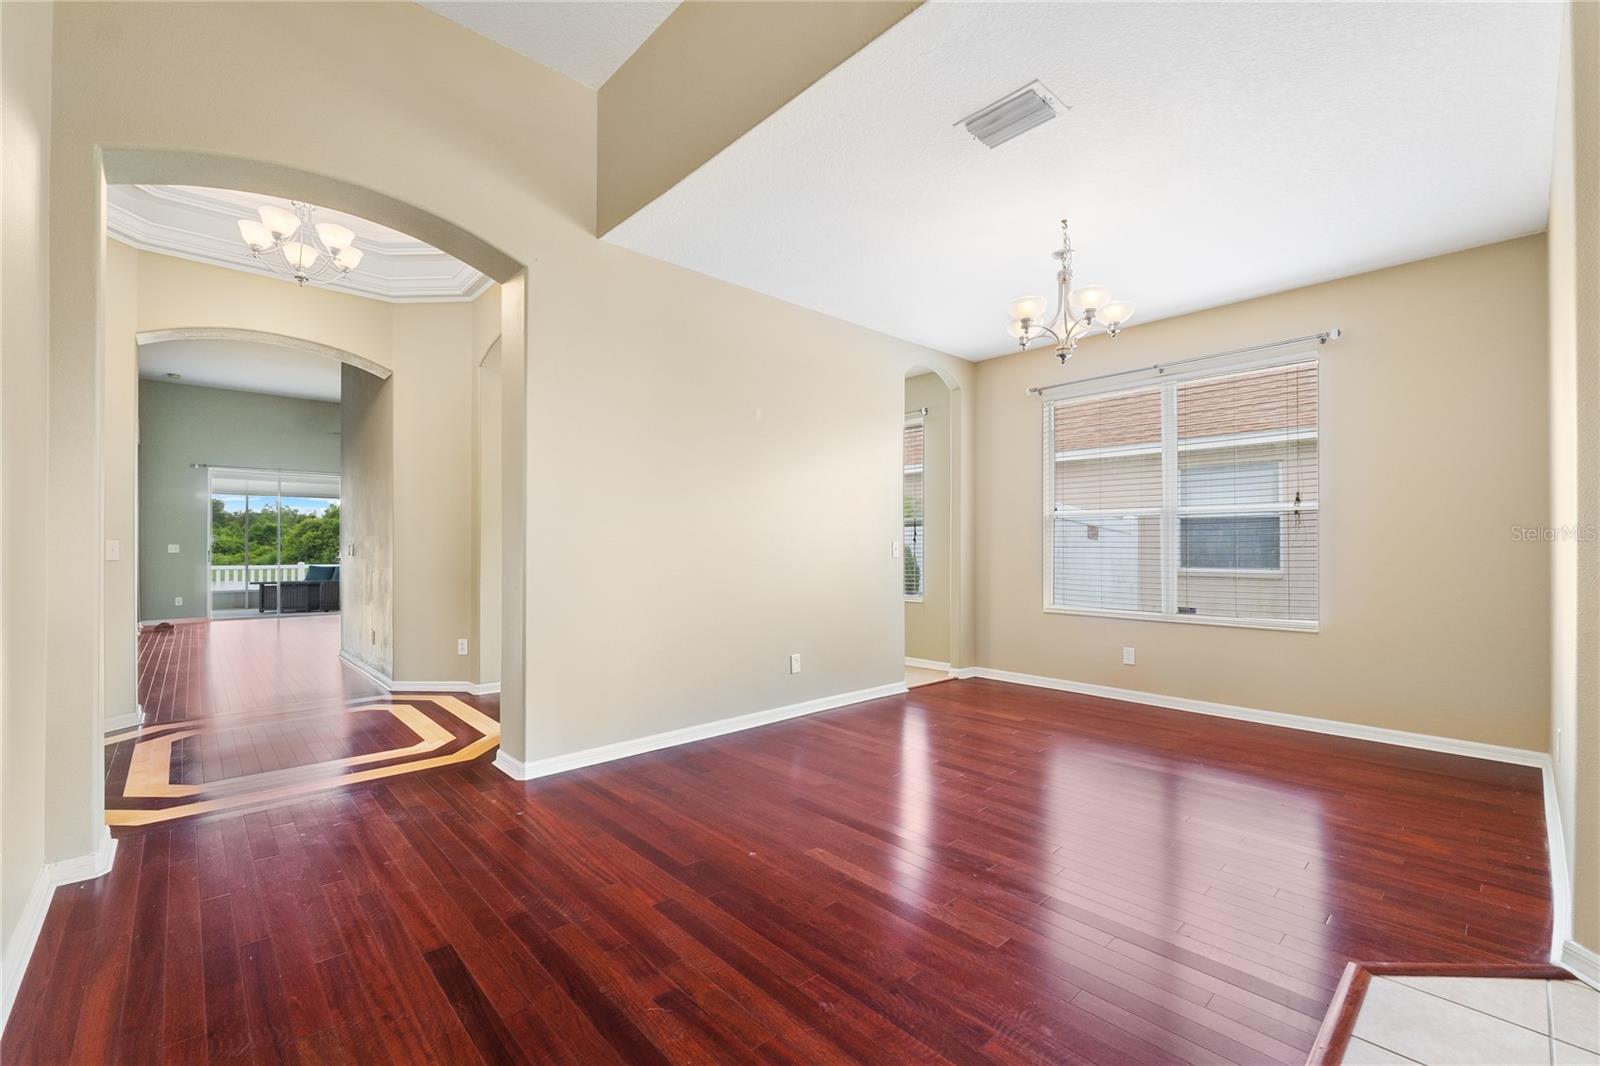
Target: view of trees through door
pixel 267 529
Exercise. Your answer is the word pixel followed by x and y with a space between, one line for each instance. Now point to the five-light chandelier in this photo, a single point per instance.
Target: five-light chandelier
pixel 1078 313
pixel 293 243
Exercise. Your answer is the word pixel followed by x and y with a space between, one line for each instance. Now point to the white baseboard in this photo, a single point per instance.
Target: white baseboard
pixel 1449 745
pixel 24 939
pixel 1584 964
pixel 372 672
pixel 117 723
pixel 527 771
pixel 432 686
pixel 86 867
pixel 927 664
pixel 31 921
pixel 381 678
pixel 1560 877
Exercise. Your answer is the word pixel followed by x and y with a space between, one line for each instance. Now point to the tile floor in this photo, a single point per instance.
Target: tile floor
pixel 1445 1021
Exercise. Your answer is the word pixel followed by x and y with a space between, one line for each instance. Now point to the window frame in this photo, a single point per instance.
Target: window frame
pixel 921 471
pixel 1167 380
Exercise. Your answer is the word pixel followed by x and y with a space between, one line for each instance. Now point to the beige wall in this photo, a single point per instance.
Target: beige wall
pixel 25 32
pixel 1574 267
pixel 121 450
pixel 489 401
pixel 637 384
pixel 928 622
pixel 366 472
pixel 435 531
pixel 1434 619
pixel 179 293
pixel 709 74
pixel 427 419
pixel 490 600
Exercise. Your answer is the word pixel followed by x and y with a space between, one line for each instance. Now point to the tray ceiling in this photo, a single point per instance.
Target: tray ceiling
pixel 201 224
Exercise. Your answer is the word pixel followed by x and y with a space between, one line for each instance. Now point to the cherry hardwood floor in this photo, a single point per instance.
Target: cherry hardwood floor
pixel 973 872
pixel 242 713
pixel 244 666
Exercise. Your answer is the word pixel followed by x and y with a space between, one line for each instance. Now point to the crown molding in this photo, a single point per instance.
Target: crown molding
pixel 185 223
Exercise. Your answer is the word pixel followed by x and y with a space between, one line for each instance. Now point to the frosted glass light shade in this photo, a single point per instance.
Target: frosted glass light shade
pixel 1115 314
pixel 348 259
pixel 301 257
pixel 279 223
pixel 1015 328
pixel 1090 298
pixel 335 238
pixel 255 234
pixel 1029 307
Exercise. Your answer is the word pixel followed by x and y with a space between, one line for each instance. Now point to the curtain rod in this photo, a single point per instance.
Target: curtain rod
pixel 1161 368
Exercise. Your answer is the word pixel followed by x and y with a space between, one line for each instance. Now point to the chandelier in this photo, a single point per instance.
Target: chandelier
pixel 1078 313
pixel 293 244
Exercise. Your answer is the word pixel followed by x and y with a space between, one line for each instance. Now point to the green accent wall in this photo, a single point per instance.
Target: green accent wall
pixel 181 425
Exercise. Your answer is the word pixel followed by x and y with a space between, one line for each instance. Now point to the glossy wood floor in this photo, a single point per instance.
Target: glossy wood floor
pixel 252 712
pixel 244 666
pixel 972 872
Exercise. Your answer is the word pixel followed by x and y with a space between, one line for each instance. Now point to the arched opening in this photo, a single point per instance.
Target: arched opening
pixel 380 374
pixel 930 540
pixel 256 336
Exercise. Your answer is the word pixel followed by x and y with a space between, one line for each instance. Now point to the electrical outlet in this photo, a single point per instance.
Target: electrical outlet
pixel 894 549
pixel 1127 656
pixel 177 601
pixel 461 646
pixel 172 549
pixel 794 663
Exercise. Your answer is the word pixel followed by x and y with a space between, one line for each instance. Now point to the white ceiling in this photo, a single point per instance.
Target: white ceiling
pixel 1211 153
pixel 202 224
pixel 585 40
pixel 246 366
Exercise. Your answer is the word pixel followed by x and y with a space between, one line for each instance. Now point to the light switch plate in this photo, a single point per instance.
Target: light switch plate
pixel 172 549
pixel 113 550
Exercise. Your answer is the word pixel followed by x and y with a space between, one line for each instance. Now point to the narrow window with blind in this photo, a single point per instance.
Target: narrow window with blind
pixel 1188 497
pixel 913 526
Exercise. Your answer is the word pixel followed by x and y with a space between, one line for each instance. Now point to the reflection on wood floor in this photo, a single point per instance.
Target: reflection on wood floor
pixel 244 666
pixel 242 714
pixel 969 872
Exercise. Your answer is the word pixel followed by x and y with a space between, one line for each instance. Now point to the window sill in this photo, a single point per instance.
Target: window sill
pixel 913 599
pixel 1192 620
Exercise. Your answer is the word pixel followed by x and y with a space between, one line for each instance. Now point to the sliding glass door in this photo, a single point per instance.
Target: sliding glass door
pixel 274 543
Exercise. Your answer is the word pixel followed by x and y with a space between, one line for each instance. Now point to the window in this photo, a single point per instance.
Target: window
pixel 914 509
pixel 1230 542
pixel 1186 496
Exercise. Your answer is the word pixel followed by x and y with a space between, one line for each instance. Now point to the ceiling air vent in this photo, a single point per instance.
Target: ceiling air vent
pixel 1011 116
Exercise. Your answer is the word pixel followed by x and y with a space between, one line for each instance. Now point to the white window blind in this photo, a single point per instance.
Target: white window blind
pixel 914 509
pixel 1192 499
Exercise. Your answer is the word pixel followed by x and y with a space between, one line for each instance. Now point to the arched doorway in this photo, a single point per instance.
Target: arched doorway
pixel 931 531
pixel 132 165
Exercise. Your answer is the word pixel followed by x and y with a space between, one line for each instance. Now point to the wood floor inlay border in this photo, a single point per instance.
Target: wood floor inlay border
pixel 442 730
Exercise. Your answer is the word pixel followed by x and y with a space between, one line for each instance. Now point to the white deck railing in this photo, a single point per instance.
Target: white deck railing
pixel 238 578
